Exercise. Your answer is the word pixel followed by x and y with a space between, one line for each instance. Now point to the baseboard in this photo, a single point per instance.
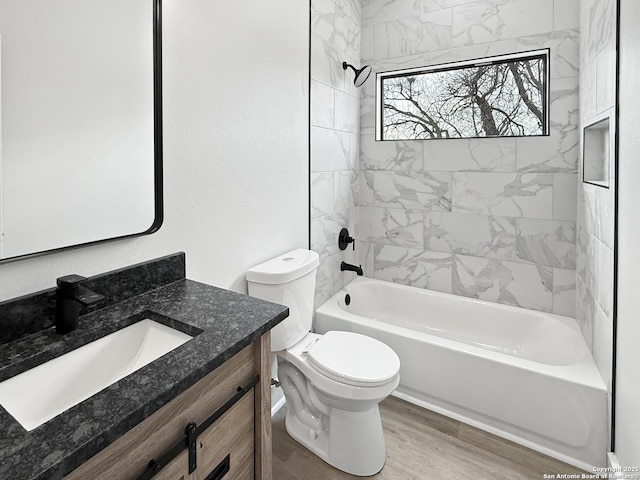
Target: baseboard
pixel 275 408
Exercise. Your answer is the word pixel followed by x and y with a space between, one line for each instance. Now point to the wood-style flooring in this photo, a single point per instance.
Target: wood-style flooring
pixel 422 445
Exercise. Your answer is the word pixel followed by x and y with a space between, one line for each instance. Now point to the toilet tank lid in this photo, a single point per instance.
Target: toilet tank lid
pixel 285 268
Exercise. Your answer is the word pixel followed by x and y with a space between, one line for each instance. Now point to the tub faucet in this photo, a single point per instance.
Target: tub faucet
pixel 351 268
pixel 71 296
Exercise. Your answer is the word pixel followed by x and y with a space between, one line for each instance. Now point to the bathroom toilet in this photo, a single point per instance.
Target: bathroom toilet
pixel 332 383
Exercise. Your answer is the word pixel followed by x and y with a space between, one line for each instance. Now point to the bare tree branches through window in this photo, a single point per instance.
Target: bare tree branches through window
pixel 490 98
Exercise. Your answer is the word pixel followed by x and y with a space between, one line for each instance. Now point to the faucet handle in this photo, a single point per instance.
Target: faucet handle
pixel 345 239
pixel 71 285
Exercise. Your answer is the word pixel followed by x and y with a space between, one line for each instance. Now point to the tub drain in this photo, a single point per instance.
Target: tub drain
pixel 347 299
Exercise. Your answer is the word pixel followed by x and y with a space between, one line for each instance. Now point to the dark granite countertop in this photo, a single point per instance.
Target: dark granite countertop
pixel 224 321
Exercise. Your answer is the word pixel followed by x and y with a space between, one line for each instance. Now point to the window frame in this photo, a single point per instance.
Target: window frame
pixel 544 54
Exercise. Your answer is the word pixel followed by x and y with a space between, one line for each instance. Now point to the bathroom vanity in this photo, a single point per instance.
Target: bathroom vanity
pixel 229 445
pixel 201 411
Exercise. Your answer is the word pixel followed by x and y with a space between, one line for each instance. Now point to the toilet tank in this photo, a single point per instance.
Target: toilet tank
pixel 290 280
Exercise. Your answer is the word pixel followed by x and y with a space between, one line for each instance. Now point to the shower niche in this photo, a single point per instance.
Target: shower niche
pixel 597 152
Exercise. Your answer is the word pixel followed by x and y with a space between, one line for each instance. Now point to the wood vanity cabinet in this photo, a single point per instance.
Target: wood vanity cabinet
pixel 237 446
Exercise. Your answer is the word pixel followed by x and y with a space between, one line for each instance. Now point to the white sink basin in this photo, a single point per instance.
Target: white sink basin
pixel 37 395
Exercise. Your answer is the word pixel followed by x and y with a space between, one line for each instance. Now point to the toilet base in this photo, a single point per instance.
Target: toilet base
pixel 352 442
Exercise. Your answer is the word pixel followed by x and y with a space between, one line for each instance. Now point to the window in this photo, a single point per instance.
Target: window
pixel 502 96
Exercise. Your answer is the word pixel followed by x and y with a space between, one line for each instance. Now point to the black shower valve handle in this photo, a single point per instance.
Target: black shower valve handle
pixel 345 239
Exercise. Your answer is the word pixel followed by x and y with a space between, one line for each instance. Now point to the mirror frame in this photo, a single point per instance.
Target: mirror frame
pixel 158 152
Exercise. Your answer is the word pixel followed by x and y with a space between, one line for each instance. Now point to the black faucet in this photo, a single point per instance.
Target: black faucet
pixel 351 268
pixel 71 296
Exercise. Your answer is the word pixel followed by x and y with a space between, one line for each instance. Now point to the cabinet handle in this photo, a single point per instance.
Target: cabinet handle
pixel 221 470
pixel 192 434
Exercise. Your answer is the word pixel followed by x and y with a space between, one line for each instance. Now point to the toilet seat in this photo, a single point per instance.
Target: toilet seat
pixel 298 355
pixel 354 359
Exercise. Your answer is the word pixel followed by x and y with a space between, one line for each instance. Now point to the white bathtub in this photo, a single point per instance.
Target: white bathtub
pixel 524 375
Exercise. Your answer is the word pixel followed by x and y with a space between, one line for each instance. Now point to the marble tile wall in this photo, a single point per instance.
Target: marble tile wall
pixel 487 218
pixel 335 118
pixel 596 215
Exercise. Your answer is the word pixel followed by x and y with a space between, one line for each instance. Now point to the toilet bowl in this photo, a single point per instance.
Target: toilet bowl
pixel 338 418
pixel 332 383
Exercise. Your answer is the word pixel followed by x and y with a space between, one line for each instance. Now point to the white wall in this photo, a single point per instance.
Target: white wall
pixel 628 318
pixel 235 147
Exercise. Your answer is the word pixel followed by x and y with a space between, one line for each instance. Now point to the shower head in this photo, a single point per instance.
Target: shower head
pixel 361 74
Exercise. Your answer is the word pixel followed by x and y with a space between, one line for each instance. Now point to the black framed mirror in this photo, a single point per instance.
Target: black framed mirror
pixel 80 122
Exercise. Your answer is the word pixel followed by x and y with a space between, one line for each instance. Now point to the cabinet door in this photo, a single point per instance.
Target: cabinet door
pixel 178 469
pixel 228 442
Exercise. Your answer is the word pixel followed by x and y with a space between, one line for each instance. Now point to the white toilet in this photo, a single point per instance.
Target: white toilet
pixel 332 382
